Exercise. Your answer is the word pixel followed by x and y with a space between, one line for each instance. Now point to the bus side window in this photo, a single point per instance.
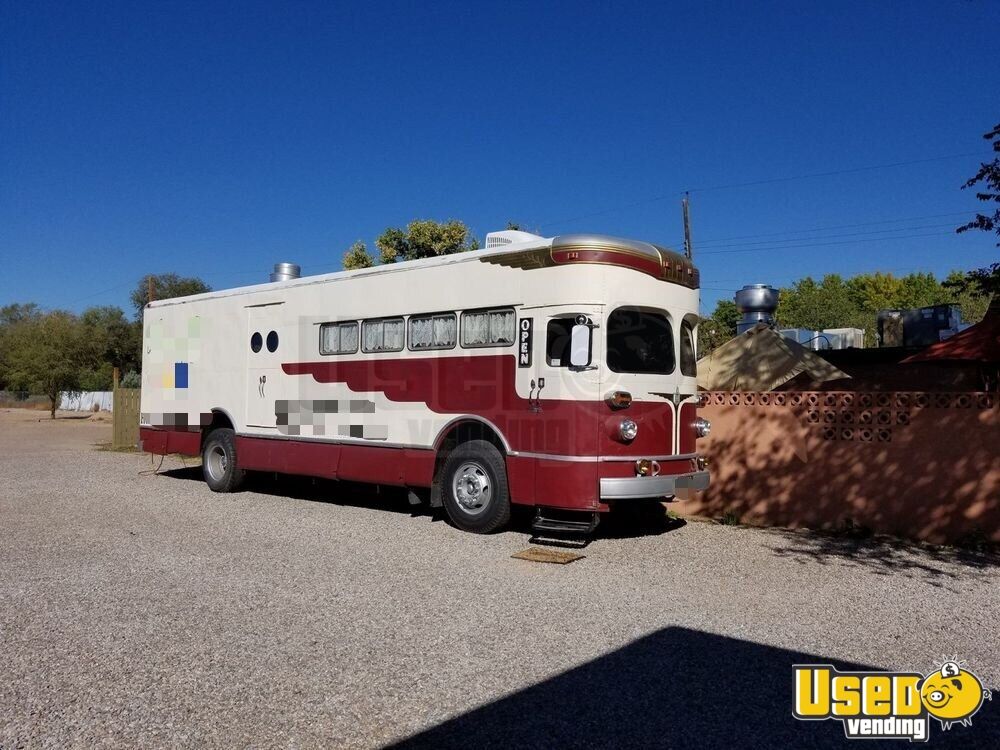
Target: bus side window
pixel 689 357
pixel 558 336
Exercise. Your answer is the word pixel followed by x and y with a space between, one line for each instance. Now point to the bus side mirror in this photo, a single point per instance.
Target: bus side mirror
pixel 579 349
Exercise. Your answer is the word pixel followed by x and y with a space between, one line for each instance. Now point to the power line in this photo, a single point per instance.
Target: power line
pixel 98 294
pixel 832 227
pixel 830 236
pixel 768 181
pixel 834 173
pixel 824 244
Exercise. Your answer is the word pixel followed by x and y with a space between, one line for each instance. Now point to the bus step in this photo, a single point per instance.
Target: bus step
pixel 554 527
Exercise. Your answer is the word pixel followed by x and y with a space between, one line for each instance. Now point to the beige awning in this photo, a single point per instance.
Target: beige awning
pixel 761 360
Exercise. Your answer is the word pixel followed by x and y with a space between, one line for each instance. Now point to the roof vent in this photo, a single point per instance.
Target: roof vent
pixel 757 303
pixel 285 272
pixel 508 237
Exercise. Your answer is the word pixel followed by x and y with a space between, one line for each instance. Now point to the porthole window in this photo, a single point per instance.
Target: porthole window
pixel 272 341
pixel 256 342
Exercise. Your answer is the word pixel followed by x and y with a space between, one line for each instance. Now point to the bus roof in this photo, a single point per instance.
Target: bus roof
pixel 513 249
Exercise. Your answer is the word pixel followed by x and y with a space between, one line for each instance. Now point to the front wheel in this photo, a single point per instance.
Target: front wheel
pixel 218 461
pixel 474 487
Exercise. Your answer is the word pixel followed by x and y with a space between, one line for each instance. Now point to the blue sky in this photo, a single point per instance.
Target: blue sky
pixel 213 139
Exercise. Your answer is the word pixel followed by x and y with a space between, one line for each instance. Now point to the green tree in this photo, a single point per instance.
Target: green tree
pixel 118 340
pixel 165 286
pixel 17 312
pixel 856 302
pixel 921 290
pixel 425 239
pixel 49 353
pixel 962 289
pixel 831 303
pixel 989 176
pixel 982 282
pixel 717 328
pixel 99 377
pixel 131 379
pixel 870 293
pixel 357 256
pixel 11 315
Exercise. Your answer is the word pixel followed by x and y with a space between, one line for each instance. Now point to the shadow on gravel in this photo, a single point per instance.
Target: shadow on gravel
pixel 883 555
pixel 393 499
pixel 675 688
pixel 637 520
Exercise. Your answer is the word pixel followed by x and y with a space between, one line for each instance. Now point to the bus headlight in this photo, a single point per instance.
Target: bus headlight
pixel 628 429
pixel 702 427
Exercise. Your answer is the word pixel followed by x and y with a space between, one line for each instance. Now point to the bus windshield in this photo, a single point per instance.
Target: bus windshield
pixel 640 341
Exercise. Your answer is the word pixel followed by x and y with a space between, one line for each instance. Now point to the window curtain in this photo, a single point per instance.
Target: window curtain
pixel 502 327
pixel 373 336
pixel 331 339
pixel 445 328
pixel 392 335
pixel 421 332
pixel 476 329
pixel 348 337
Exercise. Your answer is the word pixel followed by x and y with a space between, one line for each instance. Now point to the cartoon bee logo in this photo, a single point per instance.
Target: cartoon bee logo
pixel 952 694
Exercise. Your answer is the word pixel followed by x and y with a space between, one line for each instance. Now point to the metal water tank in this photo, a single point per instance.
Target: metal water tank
pixel 756 303
pixel 285 272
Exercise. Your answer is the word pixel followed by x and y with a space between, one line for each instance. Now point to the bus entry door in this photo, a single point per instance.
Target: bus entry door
pixel 263 364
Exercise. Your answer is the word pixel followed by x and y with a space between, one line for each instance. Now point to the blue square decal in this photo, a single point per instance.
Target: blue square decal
pixel 180 374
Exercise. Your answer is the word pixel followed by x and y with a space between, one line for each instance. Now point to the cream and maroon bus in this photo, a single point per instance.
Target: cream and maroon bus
pixel 557 373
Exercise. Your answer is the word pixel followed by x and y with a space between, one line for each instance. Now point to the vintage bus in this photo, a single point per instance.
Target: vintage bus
pixel 557 373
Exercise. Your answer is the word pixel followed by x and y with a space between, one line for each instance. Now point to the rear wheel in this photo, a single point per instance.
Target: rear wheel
pixel 474 487
pixel 218 461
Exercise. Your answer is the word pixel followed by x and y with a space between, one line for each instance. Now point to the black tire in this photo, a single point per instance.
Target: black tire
pixel 218 461
pixel 484 504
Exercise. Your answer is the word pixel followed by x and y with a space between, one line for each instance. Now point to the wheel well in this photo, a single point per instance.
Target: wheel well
pixel 459 433
pixel 219 419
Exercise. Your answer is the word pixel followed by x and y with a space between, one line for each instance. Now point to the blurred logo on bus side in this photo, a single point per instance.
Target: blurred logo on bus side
pixel 889 705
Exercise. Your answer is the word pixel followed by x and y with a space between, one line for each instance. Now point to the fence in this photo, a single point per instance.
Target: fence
pixel 125 423
pixel 917 465
pixel 86 401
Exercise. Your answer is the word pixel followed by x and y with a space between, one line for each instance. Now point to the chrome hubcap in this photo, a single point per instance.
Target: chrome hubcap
pixel 216 462
pixel 472 488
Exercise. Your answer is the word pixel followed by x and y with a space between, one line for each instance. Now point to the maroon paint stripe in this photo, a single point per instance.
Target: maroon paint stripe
pixel 610 258
pixel 560 484
pixel 689 412
pixel 160 441
pixel 484 386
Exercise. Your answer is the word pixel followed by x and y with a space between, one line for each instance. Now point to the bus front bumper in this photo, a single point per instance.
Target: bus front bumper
pixel 637 488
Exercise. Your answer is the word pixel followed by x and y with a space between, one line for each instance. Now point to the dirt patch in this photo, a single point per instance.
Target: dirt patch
pixel 25 431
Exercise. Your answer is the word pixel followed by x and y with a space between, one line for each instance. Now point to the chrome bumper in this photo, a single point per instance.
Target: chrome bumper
pixel 635 488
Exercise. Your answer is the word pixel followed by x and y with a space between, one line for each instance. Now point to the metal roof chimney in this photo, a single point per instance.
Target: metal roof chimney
pixel 757 303
pixel 285 272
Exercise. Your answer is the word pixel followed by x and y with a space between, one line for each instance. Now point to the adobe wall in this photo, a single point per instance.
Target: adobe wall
pixel 917 465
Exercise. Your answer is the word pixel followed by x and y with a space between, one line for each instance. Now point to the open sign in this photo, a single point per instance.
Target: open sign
pixel 524 342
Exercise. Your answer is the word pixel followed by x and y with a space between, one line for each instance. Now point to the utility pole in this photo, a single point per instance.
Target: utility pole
pixel 685 207
pixel 150 290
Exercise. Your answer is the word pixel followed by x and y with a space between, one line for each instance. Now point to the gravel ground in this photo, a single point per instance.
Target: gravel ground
pixel 142 609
